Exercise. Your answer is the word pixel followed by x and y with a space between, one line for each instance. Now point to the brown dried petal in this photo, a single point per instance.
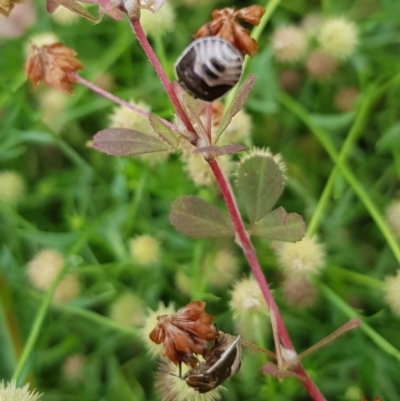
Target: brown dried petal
pixel 6 6
pixel 52 65
pixel 252 14
pixel 244 42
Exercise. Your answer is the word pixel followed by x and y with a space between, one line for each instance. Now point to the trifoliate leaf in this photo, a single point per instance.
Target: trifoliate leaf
pixel 196 218
pixel 278 225
pixel 260 184
pixel 127 142
pixel 166 134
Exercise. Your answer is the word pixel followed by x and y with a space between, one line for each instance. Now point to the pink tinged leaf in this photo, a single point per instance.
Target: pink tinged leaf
pixel 196 218
pixel 236 105
pixel 168 135
pixel 71 5
pixel 127 142
pixel 278 225
pixel 260 183
pixel 221 150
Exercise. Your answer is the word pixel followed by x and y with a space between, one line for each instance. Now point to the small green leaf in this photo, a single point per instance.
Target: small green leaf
pixel 166 134
pixel 196 218
pixel 260 184
pixel 236 104
pixel 127 142
pixel 278 225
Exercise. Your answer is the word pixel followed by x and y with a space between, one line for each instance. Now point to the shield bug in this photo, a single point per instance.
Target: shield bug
pixel 222 362
pixel 209 68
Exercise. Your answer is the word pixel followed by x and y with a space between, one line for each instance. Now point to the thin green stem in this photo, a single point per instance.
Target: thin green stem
pixel 369 98
pixel 297 109
pixel 358 278
pixel 381 342
pixel 37 326
pixel 270 7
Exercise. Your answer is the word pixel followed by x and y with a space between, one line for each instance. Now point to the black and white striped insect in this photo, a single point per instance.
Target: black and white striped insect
pixel 209 68
pixel 223 361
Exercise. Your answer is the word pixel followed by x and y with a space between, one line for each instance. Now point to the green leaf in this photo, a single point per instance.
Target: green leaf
pixel 278 225
pixel 260 184
pixel 168 135
pixel 236 104
pixel 196 218
pixel 127 142
pixel 220 150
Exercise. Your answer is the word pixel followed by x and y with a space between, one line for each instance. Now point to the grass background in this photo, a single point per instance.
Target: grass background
pixel 87 205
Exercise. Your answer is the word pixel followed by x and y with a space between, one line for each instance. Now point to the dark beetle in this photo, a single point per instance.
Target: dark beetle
pixel 209 68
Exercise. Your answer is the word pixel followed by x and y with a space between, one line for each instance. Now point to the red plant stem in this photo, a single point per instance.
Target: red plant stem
pixel 116 99
pixel 142 38
pixel 251 256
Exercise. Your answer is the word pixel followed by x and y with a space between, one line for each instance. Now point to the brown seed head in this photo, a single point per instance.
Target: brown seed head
pixel 52 65
pixel 185 333
pixel 225 25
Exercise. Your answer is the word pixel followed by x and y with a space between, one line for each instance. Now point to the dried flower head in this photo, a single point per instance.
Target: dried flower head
pixel 149 322
pixel 144 250
pixel 10 392
pixel 391 290
pixel 72 368
pixel 172 388
pixel 7 5
pixel 320 65
pixel 225 25
pixel 345 99
pixel 288 44
pixel 12 187
pixel 302 257
pixel 67 289
pixel 128 309
pixel 53 64
pixel 393 217
pixel 247 298
pixel 299 291
pixel 44 268
pixel 159 23
pixel 338 38
pixel 185 333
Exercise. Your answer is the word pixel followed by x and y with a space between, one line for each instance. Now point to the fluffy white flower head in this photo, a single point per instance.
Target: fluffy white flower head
pixel 338 38
pixel 301 257
pixel 172 388
pixel 44 268
pixel 288 44
pixel 393 217
pixel 247 297
pixel 392 293
pixel 144 250
pixel 10 392
pixel 12 187
pixel 128 310
pixel 133 7
pixel 160 22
